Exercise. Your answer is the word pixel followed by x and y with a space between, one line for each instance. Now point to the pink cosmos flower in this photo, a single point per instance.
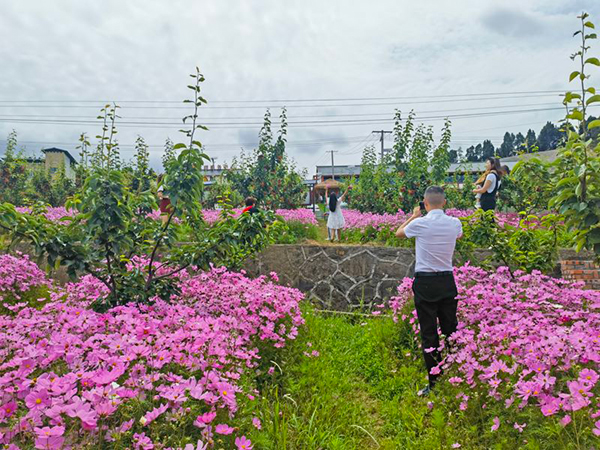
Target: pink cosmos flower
pixel 496 424
pixel 565 420
pixel 596 430
pixel 38 400
pixel 199 446
pixel 49 431
pixel 256 423
pixel 8 409
pixel 126 426
pixel 207 418
pixel 588 377
pixel 142 442
pixel 49 443
pixel 49 437
pixel 153 415
pixel 518 427
pixel 224 429
pixel 243 443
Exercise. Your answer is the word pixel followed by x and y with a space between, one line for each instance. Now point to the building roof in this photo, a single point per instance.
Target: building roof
pixel 60 150
pixel 474 167
pixel 347 170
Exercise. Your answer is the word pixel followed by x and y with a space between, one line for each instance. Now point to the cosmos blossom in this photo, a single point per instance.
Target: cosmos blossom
pixel 171 357
pixel 531 341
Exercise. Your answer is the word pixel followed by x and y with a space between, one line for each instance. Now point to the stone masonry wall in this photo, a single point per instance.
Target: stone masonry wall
pixel 338 277
pixel 347 277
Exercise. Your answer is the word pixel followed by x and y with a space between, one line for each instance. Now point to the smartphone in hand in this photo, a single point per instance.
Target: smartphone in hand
pixel 422 206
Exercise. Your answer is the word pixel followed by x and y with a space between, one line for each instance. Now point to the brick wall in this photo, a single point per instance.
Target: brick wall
pixel 585 270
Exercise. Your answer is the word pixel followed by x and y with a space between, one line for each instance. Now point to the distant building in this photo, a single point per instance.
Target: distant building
pixel 339 172
pixel 210 173
pixel 475 168
pixel 54 160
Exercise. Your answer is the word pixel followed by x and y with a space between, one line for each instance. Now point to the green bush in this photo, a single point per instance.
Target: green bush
pixel 35 297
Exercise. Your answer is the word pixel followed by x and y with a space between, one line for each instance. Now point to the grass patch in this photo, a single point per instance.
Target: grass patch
pixel 361 393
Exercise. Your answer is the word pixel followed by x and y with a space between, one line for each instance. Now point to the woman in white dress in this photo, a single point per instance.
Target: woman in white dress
pixel 335 221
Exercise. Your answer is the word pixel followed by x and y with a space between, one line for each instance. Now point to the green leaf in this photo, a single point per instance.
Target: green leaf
pixel 573 75
pixel 575 115
pixel 593 124
pixel 589 25
pixel 591 36
pixel 595 61
pixel 592 99
pixel 178 146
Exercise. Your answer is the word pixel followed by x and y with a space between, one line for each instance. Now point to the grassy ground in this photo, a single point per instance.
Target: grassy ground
pixel 359 393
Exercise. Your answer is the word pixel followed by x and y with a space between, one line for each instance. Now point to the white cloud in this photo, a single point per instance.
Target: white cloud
pixel 260 50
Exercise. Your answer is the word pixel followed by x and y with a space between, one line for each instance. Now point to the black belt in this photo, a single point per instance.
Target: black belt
pixel 433 274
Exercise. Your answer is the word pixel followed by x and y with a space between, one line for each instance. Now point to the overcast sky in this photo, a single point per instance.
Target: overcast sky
pixel 404 54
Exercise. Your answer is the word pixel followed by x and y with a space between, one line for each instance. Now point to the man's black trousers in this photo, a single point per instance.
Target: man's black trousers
pixel 435 301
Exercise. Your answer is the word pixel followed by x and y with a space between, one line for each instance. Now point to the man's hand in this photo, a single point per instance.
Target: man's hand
pixel 415 215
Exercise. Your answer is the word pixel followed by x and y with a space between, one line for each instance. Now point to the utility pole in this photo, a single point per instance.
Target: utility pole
pixel 332 166
pixel 382 132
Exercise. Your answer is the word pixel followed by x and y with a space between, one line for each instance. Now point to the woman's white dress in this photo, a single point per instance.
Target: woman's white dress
pixel 336 221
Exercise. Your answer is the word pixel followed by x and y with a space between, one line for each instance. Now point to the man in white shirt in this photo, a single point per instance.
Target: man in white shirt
pixel 434 287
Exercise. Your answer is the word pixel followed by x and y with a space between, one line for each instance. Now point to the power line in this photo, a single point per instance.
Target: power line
pixel 52 116
pixel 209 147
pixel 365 142
pixel 482 94
pixel 292 124
pixel 340 105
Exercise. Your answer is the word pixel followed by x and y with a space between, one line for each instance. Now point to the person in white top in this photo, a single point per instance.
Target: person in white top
pixel 434 287
pixel 335 221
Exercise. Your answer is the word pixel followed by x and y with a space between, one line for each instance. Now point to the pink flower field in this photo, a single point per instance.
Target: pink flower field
pixel 361 220
pixel 529 346
pixel 138 376
pixel 289 215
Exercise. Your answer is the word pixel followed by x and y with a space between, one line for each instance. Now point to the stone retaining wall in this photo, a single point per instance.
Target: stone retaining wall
pixel 344 277
pixel 339 277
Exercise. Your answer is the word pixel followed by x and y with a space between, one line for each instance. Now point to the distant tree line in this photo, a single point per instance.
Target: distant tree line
pixel 548 138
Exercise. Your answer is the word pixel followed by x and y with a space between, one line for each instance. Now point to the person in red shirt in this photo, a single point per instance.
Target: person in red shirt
pixel 164 202
pixel 250 206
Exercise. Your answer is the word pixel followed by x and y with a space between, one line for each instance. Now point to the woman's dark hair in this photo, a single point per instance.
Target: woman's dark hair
pixel 250 201
pixel 332 201
pixel 495 163
pixel 505 170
